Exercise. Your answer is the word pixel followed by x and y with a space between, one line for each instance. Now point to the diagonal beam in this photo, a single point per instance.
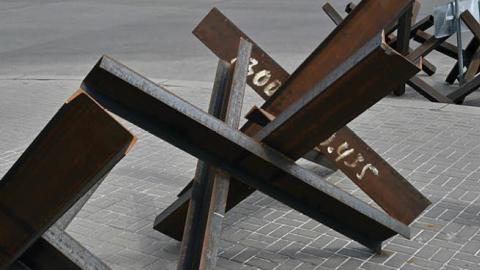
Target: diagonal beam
pixel 403 40
pixel 163 114
pixel 460 94
pixel 419 85
pixel 445 48
pixel 54 173
pixel 332 13
pixel 57 250
pixel 209 193
pixel 323 60
pixel 391 180
pixel 421 25
pixel 333 102
pixel 328 55
pixel 469 51
pixel 427 91
pixel 474 27
pixel 425 48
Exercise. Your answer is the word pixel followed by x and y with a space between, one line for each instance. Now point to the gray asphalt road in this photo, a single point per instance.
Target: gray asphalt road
pixel 61 37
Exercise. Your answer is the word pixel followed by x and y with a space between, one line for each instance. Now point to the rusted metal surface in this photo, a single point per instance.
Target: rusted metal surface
pixel 334 102
pixel 427 91
pixel 88 143
pixel 429 43
pixel 197 214
pixel 163 114
pixel 332 13
pixel 403 40
pixel 391 39
pixel 474 27
pixel 459 95
pixel 265 76
pixel 425 48
pixel 57 250
pixel 473 67
pixel 469 51
pixel 471 61
pixel 445 48
pixel 203 225
pixel 221 182
pixel 174 213
pixel 328 55
pixel 264 81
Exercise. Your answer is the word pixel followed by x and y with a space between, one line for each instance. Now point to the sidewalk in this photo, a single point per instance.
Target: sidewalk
pixel 435 146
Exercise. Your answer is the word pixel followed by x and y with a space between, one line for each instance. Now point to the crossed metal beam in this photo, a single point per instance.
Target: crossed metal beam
pixel 259 156
pixel 147 105
pixel 219 34
pixel 427 46
pixel 70 156
pixel 429 43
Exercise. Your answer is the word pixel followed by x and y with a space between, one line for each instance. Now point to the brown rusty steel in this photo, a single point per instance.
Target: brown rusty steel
pixel 56 249
pixel 427 91
pixel 419 85
pixel 425 48
pixel 203 225
pixel 264 83
pixel 421 25
pixel 329 55
pixel 333 102
pixel 474 26
pixel 332 13
pixel 87 144
pixel 445 48
pixel 147 105
pixel 403 40
pixel 472 61
pixel 395 181
pixel 468 53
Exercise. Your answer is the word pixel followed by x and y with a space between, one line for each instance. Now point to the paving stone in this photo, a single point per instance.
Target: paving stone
pixel 438 152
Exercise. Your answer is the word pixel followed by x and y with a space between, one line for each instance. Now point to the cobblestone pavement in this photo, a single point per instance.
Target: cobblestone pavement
pixel 435 146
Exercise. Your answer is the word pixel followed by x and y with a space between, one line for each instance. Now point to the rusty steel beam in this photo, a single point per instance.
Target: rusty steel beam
pixel 334 102
pixel 460 94
pixel 167 219
pixel 175 214
pixel 474 26
pixel 445 48
pixel 221 182
pixel 403 40
pixel 428 44
pixel 57 250
pixel 147 105
pixel 427 91
pixel 471 23
pixel 423 24
pixel 332 13
pixel 88 143
pixel 469 51
pixel 473 67
pixel 265 75
pixel 393 181
pixel 215 18
pixel 425 48
pixel 203 225
pixel 329 55
pixel 265 82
